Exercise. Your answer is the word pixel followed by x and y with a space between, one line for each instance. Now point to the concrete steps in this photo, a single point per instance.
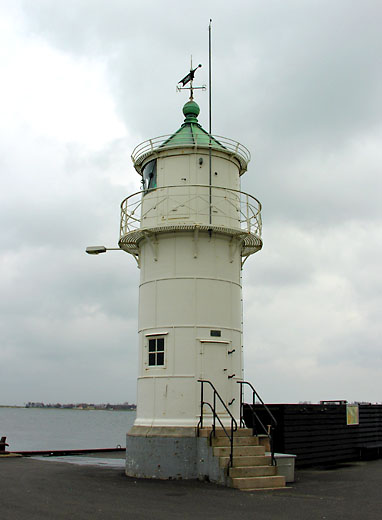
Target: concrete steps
pixel 252 469
pixel 237 441
pixel 239 451
pixel 252 483
pixel 239 462
pixel 261 440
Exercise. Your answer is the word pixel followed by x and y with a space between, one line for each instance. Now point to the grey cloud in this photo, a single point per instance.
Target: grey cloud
pixel 296 82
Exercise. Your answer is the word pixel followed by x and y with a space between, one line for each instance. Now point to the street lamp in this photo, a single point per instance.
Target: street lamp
pixel 96 250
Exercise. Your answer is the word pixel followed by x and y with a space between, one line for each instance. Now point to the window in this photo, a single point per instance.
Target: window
pixel 216 333
pixel 149 176
pixel 156 352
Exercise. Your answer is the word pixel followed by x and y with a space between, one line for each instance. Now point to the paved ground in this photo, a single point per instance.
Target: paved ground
pixel 38 489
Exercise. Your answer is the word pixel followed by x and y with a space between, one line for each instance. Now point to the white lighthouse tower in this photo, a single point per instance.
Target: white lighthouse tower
pixel 190 230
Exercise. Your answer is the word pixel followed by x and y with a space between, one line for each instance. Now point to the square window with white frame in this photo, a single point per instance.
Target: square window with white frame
pixel 156 352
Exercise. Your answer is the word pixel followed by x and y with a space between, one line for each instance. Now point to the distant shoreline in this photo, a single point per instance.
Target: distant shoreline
pixel 74 409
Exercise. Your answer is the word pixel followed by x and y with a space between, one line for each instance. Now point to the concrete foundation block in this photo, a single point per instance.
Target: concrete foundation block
pixel 158 453
pixel 171 453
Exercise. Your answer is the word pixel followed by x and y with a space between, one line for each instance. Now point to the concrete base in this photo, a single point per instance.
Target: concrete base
pixel 160 452
pixel 208 467
pixel 177 453
pixel 170 453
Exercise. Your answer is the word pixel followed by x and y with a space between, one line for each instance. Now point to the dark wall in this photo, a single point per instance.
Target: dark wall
pixel 318 434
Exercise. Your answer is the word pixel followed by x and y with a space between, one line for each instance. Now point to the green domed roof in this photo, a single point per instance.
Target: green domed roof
pixel 190 135
pixel 191 132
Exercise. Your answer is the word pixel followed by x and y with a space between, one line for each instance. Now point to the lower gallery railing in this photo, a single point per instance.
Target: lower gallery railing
pixel 192 204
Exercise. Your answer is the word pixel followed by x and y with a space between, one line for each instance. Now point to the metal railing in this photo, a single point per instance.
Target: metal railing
pixel 229 208
pixel 256 421
pixel 195 141
pixel 215 417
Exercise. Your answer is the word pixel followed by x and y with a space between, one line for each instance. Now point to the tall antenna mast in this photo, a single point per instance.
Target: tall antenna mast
pixel 209 75
pixel 210 119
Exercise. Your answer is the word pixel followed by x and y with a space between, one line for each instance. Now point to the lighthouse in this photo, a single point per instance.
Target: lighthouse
pixel 190 229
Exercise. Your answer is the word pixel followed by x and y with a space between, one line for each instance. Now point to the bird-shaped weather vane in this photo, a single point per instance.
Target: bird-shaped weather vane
pixel 189 78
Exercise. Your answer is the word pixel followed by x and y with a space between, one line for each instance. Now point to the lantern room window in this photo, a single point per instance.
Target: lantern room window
pixel 156 352
pixel 149 176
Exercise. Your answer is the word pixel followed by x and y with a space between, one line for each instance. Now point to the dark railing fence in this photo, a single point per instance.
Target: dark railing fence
pixel 215 416
pixel 261 423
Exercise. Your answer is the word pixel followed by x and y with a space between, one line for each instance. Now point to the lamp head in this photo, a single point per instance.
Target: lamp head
pixel 95 250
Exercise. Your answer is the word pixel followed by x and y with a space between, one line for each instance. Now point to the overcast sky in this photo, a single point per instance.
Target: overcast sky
pixel 297 82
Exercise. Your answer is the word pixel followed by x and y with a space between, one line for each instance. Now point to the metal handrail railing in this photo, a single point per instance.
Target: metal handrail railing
pixel 202 141
pixel 216 417
pixel 269 431
pixel 248 207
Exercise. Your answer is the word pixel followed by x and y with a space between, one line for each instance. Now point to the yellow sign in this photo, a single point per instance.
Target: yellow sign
pixel 352 414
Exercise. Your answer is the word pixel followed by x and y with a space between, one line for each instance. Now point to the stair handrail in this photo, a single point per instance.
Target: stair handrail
pixel 268 431
pixel 216 416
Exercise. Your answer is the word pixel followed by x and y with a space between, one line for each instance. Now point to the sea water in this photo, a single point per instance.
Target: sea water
pixel 35 429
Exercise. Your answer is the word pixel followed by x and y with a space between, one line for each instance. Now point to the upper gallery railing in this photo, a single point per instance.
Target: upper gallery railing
pixel 191 205
pixel 196 141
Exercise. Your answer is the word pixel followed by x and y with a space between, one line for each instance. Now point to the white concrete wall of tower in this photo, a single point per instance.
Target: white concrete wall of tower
pixel 187 234
pixel 193 302
pixel 191 166
pixel 182 196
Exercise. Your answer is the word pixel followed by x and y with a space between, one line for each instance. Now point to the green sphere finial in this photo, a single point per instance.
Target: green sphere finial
pixel 191 110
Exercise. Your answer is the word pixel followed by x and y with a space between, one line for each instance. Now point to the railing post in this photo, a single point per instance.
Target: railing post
pixel 231 454
pixel 248 219
pixel 241 404
pixel 254 426
pixel 214 413
pixel 201 405
pixel 272 446
pixel 121 225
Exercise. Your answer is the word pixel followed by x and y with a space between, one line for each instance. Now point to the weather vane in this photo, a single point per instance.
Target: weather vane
pixel 189 79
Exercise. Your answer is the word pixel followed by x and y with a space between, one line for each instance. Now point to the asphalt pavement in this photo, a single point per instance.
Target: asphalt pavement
pixel 45 489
